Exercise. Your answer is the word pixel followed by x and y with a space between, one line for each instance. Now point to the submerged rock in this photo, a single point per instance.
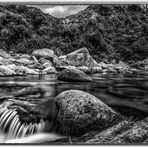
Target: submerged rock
pixel 72 74
pixel 78 112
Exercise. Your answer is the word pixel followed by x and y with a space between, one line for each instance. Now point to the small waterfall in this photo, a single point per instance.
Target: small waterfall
pixel 11 125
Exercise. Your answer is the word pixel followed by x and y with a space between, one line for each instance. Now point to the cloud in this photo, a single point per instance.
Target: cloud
pixel 61 10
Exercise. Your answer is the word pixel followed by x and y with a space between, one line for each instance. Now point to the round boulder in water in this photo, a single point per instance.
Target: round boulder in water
pixel 78 112
pixel 73 75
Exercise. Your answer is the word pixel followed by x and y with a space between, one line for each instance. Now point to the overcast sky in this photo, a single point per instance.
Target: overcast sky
pixel 61 10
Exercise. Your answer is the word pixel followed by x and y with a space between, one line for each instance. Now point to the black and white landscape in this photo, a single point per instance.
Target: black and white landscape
pixel 80 78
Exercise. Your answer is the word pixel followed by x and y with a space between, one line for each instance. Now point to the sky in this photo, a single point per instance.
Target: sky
pixel 61 10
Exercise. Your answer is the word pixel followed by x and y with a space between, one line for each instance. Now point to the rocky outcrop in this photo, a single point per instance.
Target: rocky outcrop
pixel 77 58
pixel 78 112
pixel 25 65
pixel 72 74
pixel 82 60
pixel 44 61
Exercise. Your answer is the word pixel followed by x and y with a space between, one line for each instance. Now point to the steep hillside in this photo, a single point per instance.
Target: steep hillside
pixel 108 31
pixel 112 31
pixel 22 27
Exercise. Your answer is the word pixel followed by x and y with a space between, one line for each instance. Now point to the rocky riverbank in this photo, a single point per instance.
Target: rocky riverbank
pixel 44 61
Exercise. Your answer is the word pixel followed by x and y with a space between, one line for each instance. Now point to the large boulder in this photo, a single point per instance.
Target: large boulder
pixel 45 53
pixel 6 71
pixel 4 54
pixel 78 112
pixel 72 74
pixel 77 58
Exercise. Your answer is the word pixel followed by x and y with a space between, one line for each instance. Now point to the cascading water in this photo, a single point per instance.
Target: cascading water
pixel 11 125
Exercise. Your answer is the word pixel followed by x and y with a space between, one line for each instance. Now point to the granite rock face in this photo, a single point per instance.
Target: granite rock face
pixel 78 112
pixel 80 57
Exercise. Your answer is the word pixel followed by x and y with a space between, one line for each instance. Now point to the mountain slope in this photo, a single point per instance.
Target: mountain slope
pixel 108 31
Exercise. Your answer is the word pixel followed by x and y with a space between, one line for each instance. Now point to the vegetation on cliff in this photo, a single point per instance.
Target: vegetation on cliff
pixel 108 31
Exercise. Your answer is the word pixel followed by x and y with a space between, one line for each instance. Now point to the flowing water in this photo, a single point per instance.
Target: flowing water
pixel 126 93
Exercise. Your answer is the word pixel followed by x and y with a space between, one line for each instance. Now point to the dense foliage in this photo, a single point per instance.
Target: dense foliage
pixel 108 31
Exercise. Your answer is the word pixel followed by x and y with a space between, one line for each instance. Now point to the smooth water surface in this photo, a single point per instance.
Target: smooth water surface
pixel 122 91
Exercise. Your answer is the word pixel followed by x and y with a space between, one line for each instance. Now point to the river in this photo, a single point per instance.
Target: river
pixel 123 92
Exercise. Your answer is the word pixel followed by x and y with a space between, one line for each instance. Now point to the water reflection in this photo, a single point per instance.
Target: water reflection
pixel 128 90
